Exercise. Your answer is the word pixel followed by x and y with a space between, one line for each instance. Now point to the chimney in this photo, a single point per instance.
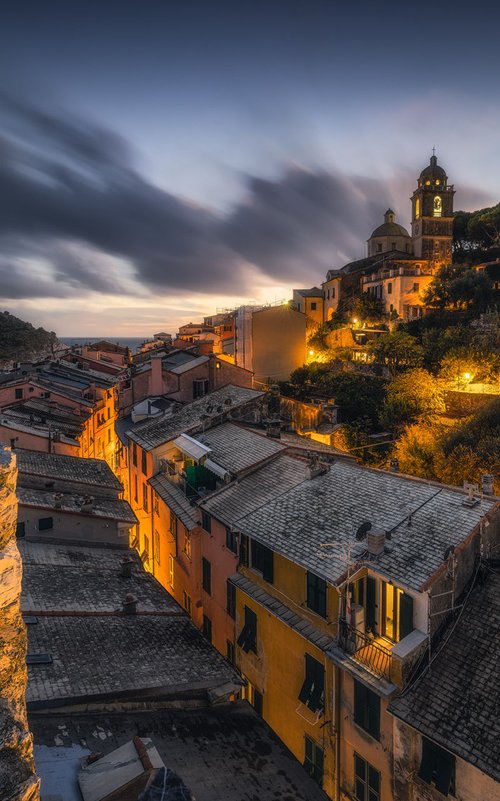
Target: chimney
pixel 58 497
pixel 273 429
pixel 126 567
pixel 487 484
pixel 375 541
pixel 156 385
pixel 130 605
pixel 86 503
pixel 315 466
pixel 394 466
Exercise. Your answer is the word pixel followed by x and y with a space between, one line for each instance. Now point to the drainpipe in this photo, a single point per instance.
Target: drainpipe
pixel 338 718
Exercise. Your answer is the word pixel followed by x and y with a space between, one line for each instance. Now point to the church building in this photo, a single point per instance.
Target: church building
pixel 400 266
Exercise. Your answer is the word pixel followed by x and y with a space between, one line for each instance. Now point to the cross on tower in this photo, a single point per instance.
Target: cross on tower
pixel 433 151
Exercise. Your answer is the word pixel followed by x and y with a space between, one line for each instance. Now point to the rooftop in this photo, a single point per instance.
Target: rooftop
pixel 176 500
pixel 108 508
pixel 424 519
pixel 69 468
pixel 236 449
pixel 66 578
pixel 226 752
pixel 149 434
pixel 314 292
pixel 456 702
pixel 96 651
pixel 240 498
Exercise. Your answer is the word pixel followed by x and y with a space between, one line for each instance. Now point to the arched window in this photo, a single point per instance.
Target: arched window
pixel 417 208
pixel 438 206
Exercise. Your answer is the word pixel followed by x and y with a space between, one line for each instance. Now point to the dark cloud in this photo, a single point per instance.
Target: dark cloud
pixel 70 195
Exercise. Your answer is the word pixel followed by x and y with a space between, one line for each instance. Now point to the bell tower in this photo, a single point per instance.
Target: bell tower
pixel 432 216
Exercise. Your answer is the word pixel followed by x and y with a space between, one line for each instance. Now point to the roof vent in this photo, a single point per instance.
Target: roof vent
pixel 487 484
pixel 126 567
pixel 470 500
pixel 130 605
pixel 86 503
pixel 315 466
pixel 58 499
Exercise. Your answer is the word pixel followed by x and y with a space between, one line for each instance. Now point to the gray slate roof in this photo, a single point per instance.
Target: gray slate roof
pixel 70 468
pixel 242 497
pixel 152 433
pixel 175 500
pixel 65 577
pixel 236 449
pixel 457 703
pixel 95 648
pixel 101 507
pixel 331 507
pixel 284 613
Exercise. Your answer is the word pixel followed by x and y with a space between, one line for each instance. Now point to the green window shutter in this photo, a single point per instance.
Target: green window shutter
pixel 405 615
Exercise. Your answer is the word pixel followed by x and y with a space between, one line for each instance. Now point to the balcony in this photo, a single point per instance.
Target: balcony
pixel 369 652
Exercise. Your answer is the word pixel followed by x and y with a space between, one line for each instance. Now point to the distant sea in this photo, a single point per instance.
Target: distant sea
pixel 128 342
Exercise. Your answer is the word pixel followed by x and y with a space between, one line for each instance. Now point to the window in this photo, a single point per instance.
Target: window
pixel 13 444
pixel 186 602
pixel 313 306
pixel 157 546
pixel 156 504
pixel 20 530
pixel 173 524
pixel 171 570
pixel 136 491
pixel 258 701
pixel 248 636
pixel 200 387
pixel 367 709
pixel 397 612
pixel 144 462
pixel 333 292
pixel 231 540
pixel 438 207
pixel 314 760
pixel 19 394
pixel 145 504
pixel 417 208
pixel 328 294
pixel 231 599
pixel 262 560
pixel 389 288
pixel 393 246
pixel 366 781
pixel 437 767
pixel 206 570
pixel 244 550
pixel 379 248
pixel 316 594
pixel 312 690
pixel 416 287
pixel 44 523
pixel 206 522
pixel 230 652
pixel 134 454
pixel 207 628
pixel 187 544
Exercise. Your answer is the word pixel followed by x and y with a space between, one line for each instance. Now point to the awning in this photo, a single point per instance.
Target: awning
pixel 217 469
pixel 192 447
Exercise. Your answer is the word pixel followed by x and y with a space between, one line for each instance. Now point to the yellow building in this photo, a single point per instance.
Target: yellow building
pixel 310 303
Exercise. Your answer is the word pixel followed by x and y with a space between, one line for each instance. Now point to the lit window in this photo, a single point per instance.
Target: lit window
pixel 187 544
pixel 171 570
pixel 438 206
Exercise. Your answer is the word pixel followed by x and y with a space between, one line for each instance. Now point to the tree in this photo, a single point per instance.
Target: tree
pixel 416 451
pixel 366 308
pixel 411 396
pixel 398 351
pixel 359 397
pixel 459 286
pixel 463 365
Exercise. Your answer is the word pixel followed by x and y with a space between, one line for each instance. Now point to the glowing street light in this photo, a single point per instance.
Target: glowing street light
pixel 311 353
pixel 467 376
pixel 354 320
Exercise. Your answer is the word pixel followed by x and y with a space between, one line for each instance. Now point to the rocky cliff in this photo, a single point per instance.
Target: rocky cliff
pixel 18 781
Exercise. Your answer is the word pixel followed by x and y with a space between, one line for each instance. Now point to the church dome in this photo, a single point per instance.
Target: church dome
pixel 433 171
pixel 390 227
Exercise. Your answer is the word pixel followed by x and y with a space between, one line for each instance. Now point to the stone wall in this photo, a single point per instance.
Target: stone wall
pixel 18 781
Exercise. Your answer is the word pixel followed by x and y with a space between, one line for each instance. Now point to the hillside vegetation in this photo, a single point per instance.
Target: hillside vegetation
pixel 21 341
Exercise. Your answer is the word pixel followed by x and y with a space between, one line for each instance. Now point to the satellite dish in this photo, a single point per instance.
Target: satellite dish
pixel 363 530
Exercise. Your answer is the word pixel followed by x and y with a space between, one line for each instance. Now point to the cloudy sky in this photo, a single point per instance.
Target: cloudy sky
pixel 159 160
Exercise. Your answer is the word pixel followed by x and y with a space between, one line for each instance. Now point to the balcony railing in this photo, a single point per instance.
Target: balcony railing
pixel 178 480
pixel 366 650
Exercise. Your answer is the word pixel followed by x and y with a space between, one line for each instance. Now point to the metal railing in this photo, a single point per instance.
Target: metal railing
pixel 365 650
pixel 178 480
